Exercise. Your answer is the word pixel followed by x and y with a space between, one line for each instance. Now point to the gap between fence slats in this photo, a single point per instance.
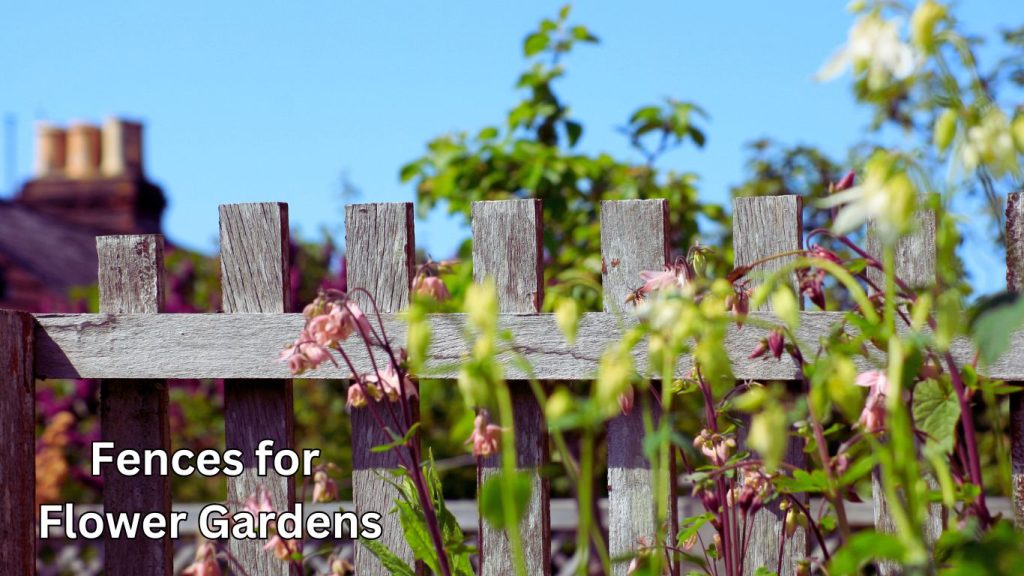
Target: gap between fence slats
pixel 17 451
pixel 634 239
pixel 915 265
pixel 507 249
pixel 133 415
pixel 763 227
pixel 255 280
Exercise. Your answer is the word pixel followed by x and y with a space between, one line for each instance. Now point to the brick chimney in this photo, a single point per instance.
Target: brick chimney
pixel 94 177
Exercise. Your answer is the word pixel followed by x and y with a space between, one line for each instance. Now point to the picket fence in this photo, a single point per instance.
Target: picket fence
pixel 134 348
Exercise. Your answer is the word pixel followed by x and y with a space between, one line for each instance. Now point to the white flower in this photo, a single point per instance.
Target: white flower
pixel 990 143
pixel 873 46
pixel 885 196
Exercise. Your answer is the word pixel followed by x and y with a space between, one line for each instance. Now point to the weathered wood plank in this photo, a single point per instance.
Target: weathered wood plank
pixel 255 280
pixel 915 265
pixel 245 346
pixel 134 416
pixel 1014 282
pixel 380 251
pixel 507 248
pixel 634 239
pixel 762 227
pixel 17 444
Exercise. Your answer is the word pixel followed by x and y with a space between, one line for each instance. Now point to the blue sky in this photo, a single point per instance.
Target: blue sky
pixel 261 101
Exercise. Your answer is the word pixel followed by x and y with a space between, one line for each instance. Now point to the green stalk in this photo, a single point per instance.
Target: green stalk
pixel 508 470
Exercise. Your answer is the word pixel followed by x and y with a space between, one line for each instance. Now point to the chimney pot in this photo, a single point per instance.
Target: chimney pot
pixel 51 150
pixel 122 147
pixel 83 151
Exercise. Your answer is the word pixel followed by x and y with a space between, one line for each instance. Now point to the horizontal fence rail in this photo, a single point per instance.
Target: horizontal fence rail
pixel 246 346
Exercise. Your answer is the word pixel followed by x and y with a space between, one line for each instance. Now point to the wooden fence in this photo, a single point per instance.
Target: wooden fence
pixel 134 348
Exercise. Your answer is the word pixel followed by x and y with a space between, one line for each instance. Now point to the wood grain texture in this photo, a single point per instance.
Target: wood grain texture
pixel 1014 282
pixel 634 239
pixel 762 227
pixel 17 445
pixel 380 252
pixel 254 280
pixel 245 346
pixel 134 416
pixel 507 248
pixel 915 265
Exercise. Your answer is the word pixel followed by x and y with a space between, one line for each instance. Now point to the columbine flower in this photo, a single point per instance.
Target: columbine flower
pixel 776 343
pixel 357 392
pixel 341 567
pixel 282 548
pixel 873 47
pixel 486 437
pixel 304 354
pixel 392 387
pixel 715 446
pixel 205 563
pixel 754 489
pixel 431 286
pixel 325 489
pixel 627 400
pixel 258 501
pixel 990 143
pixel 872 417
pixel 677 275
pixel 885 197
pixel 739 301
pixel 812 284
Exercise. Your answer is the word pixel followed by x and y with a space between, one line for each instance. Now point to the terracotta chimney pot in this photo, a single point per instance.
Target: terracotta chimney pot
pixel 122 148
pixel 51 150
pixel 83 151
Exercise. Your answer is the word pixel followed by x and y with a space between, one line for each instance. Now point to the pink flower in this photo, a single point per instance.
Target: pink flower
pixel 627 400
pixel 205 563
pixel 776 343
pixel 739 302
pixel 283 549
pixel 713 445
pixel 811 284
pixel 677 275
pixel 431 286
pixel 258 501
pixel 341 567
pixel 486 437
pixel 325 489
pixel 304 354
pixel 845 182
pixel 872 417
pixel 389 381
pixel 357 395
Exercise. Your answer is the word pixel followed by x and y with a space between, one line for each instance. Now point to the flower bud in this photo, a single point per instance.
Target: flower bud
pixel 945 129
pixel 923 22
pixel 776 342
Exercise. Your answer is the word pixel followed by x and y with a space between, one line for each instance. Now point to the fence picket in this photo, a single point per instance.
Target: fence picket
pixel 634 238
pixel 915 265
pixel 17 450
pixel 762 227
pixel 380 258
pixel 255 280
pixel 507 248
pixel 133 414
pixel 1014 283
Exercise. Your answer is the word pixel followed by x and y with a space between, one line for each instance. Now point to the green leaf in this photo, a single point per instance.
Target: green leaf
pixel 691 525
pixel 803 481
pixel 535 43
pixel 994 321
pixel 398 441
pixel 492 505
pixel 863 547
pixel 768 434
pixel 574 130
pixel 388 559
pixel 936 412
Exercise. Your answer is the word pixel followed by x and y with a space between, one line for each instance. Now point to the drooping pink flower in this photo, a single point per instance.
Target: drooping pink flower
pixel 392 387
pixel 715 446
pixel 282 548
pixel 872 417
pixel 676 275
pixel 304 354
pixel 431 286
pixel 325 489
pixel 258 501
pixel 357 396
pixel 846 182
pixel 486 437
pixel 776 343
pixel 812 285
pixel 627 400
pixel 205 563
pixel 739 301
